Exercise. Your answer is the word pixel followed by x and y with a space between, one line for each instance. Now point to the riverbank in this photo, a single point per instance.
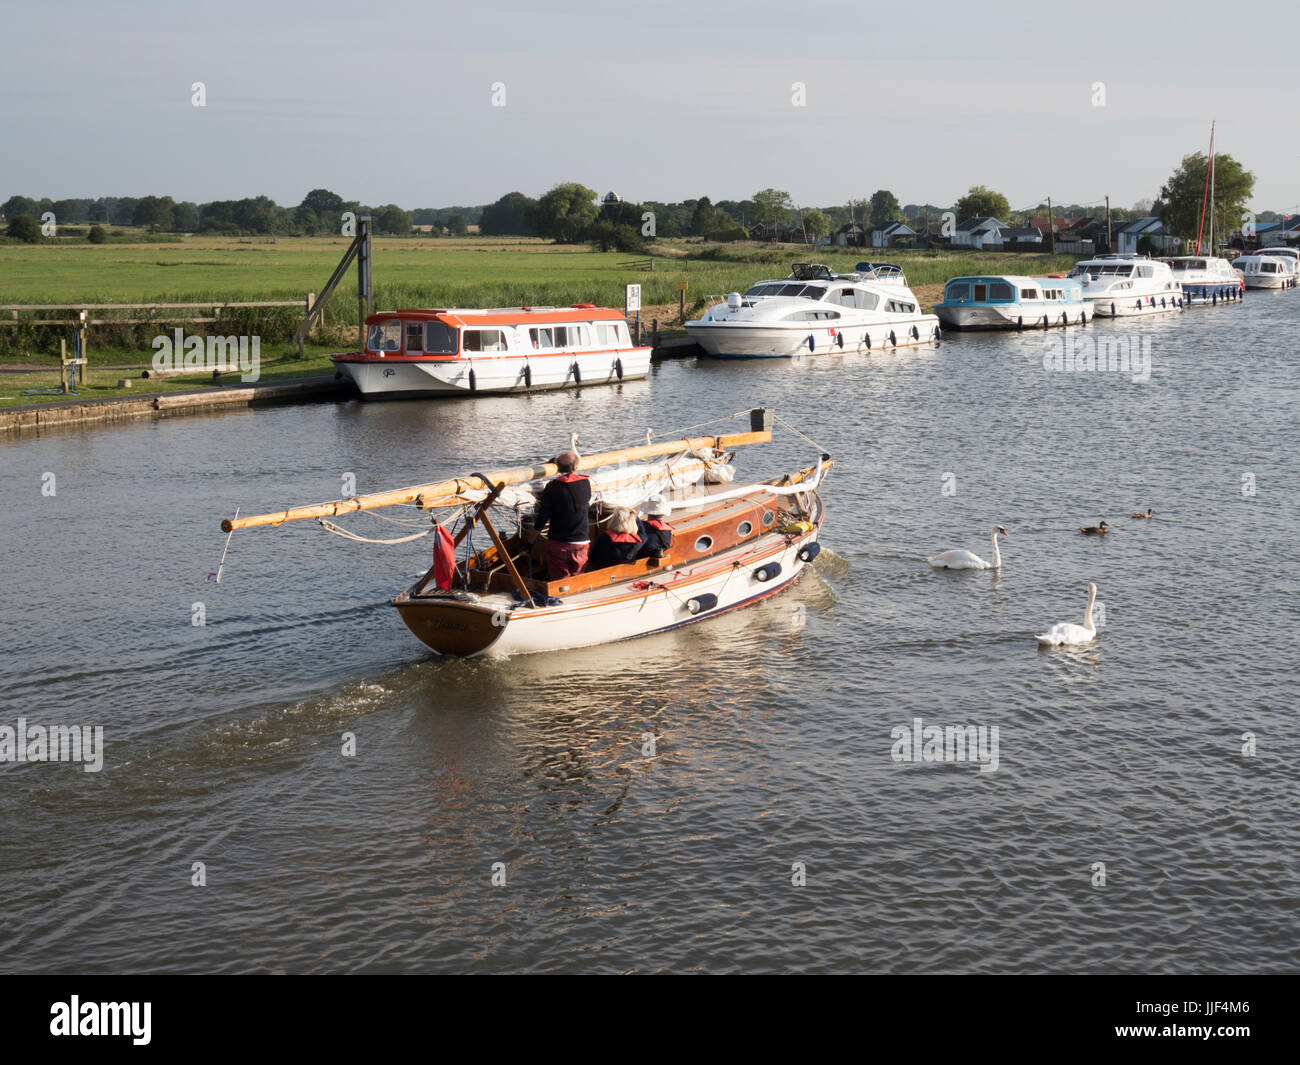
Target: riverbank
pixel 162 404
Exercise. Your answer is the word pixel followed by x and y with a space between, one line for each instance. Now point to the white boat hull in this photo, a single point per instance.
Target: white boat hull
pixel 496 625
pixel 743 340
pixel 1013 316
pixel 510 373
pixel 1135 306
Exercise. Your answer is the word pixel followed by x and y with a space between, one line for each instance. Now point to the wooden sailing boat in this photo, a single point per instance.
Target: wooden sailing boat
pixel 732 545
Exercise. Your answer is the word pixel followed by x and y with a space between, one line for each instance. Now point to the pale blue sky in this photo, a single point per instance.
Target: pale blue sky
pixel 391 102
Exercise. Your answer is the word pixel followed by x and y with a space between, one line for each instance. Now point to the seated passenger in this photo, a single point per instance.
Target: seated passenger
pixel 656 533
pixel 619 543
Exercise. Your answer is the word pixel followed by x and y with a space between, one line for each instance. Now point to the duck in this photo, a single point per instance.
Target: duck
pixel 1094 530
pixel 962 559
pixel 1065 632
pixel 1138 514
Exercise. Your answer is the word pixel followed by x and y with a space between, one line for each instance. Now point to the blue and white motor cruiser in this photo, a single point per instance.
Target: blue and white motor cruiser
pixel 1013 301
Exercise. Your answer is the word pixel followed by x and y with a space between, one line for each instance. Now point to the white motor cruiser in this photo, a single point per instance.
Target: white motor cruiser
pixel 1118 286
pixel 815 312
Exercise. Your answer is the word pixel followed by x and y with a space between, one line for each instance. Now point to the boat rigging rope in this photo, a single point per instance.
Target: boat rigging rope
pixel 347 534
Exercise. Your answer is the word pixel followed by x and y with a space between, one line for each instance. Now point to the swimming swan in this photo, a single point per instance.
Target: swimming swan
pixel 1065 632
pixel 960 559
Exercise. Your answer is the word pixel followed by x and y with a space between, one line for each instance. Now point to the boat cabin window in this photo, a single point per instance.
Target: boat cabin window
pixel 864 300
pixel 608 334
pixel 541 339
pixel 385 336
pixel 981 293
pixel 957 290
pixel 1000 290
pixel 792 290
pixel 1147 271
pixel 763 290
pixel 575 336
pixel 439 338
pixel 895 307
pixel 811 316
pixel 484 340
pixel 1029 294
pixel 414 336
pixel 1268 268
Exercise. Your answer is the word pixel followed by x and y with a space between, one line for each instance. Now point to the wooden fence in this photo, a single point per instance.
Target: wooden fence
pixel 73 317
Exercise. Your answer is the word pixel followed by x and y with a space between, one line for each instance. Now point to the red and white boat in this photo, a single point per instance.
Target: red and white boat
pixel 439 352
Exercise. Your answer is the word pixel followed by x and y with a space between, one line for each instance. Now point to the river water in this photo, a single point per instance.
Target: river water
pixel 771 828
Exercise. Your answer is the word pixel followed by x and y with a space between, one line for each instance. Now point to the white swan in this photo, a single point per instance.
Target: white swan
pixel 960 559
pixel 1065 632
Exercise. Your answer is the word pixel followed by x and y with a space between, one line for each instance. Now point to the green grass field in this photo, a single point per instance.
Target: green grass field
pixel 407 272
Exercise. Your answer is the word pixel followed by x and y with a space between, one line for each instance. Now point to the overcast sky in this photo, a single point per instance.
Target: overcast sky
pixel 393 102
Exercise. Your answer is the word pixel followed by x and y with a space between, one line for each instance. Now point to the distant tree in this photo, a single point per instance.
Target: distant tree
pixel 566 212
pixel 20 205
pixel 816 223
pixel 729 232
pixel 320 211
pixel 885 208
pixel 1182 194
pixel 981 202
pixel 773 206
pixel 508 216
pixel 185 217
pixel 66 211
pixel 97 235
pixel 1143 208
pixel 703 219
pixel 457 226
pixel 606 236
pixel 154 212
pixel 392 219
pixel 25 228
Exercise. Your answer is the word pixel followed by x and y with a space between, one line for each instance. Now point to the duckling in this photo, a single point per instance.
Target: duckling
pixel 1138 514
pixel 1095 530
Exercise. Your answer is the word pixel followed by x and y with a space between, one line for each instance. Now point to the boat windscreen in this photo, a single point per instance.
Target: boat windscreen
pixel 439 338
pixel 385 336
pixel 957 290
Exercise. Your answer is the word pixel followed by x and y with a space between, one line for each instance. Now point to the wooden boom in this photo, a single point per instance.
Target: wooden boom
pixel 518 475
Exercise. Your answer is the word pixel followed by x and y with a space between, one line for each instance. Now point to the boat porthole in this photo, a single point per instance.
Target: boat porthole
pixel 704 543
pixel 744 528
pixel 768 517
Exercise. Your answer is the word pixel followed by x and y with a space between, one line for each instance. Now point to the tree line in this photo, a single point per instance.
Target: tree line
pixel 571 212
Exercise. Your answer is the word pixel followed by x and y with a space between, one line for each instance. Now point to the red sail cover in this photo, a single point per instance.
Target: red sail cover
pixel 444 557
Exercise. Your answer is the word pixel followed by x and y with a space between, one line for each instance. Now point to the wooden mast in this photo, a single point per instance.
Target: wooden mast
pixel 761 433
